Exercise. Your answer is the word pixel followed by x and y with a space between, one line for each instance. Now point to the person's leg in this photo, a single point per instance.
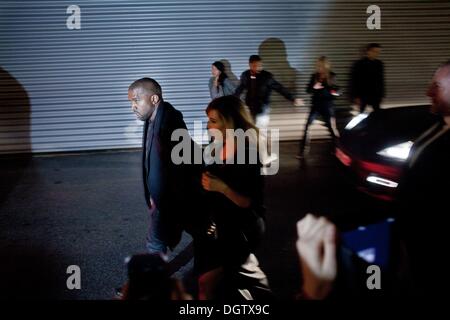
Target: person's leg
pixel 208 283
pixel 311 117
pixel 330 127
pixel 362 105
pixel 333 131
pixel 262 122
pixel 376 104
pixel 334 126
pixel 155 238
pixel 330 121
pixel 262 119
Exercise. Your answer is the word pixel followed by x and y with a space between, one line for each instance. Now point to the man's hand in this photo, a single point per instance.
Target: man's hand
pixel 212 183
pixel 152 203
pixel 316 247
pixel 299 102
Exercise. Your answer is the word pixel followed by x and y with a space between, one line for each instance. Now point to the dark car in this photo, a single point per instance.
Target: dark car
pixel 375 148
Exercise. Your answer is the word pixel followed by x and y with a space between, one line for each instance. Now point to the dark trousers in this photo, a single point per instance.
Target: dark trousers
pixel 374 102
pixel 326 113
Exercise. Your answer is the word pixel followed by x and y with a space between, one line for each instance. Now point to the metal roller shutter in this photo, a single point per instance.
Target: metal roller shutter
pixel 64 90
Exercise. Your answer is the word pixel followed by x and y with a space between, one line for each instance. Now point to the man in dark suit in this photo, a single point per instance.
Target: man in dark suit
pixel 165 183
pixel 367 79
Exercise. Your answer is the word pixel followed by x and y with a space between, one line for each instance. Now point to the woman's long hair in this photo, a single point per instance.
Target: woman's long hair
pixel 221 67
pixel 234 114
pixel 323 69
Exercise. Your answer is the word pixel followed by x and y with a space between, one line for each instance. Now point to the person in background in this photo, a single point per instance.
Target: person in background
pixel 323 89
pixel 219 84
pixel 258 84
pixel 367 79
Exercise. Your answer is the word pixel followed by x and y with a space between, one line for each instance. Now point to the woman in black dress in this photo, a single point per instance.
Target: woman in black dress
pixel 324 90
pixel 233 198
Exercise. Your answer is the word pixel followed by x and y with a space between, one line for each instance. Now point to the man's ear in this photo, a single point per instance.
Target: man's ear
pixel 154 99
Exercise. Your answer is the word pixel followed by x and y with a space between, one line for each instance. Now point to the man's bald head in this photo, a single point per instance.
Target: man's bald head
pixel 439 90
pixel 445 69
pixel 147 86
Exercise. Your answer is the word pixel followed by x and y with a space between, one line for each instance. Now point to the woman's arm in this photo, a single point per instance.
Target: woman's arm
pixel 238 199
pixel 212 183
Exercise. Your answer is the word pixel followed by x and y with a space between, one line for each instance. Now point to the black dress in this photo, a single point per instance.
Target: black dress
pixel 238 230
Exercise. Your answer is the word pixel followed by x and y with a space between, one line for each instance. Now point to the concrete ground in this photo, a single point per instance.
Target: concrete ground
pixel 88 210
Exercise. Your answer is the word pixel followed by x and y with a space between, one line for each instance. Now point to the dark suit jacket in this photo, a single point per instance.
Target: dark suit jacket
pixel 367 80
pixel 424 203
pixel 169 185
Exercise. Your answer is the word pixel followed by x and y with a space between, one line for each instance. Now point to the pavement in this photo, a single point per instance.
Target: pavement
pixel 88 210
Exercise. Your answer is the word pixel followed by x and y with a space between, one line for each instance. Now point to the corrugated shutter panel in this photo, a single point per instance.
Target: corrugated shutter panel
pixel 64 90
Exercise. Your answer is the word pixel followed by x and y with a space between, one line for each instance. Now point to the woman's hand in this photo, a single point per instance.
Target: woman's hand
pixel 318 86
pixel 212 183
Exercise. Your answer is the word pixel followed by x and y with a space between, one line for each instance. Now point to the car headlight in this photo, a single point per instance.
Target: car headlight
pixel 355 121
pixel 399 151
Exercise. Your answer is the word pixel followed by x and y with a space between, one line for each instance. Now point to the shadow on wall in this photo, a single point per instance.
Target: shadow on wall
pixel 274 55
pixel 15 142
pixel 235 80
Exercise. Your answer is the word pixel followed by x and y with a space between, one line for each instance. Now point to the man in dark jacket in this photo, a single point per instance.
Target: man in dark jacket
pixel 166 185
pixel 367 79
pixel 259 85
pixel 423 195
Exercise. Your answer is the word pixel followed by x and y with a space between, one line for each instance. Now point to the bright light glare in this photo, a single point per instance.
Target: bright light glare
pixel 382 182
pixel 355 121
pixel 399 151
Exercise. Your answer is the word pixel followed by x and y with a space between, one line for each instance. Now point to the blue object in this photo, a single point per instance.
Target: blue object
pixel 371 243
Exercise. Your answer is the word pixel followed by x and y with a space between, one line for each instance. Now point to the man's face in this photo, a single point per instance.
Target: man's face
pixel 142 104
pixel 373 53
pixel 439 92
pixel 256 66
